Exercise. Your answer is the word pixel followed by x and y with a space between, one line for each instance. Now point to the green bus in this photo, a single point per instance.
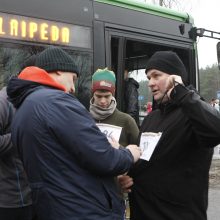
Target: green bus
pixel 118 34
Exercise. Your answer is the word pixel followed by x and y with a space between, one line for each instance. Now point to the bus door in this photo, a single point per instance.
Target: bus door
pixel 130 52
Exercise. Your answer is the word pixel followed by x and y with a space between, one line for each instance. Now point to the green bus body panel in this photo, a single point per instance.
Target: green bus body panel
pixel 151 9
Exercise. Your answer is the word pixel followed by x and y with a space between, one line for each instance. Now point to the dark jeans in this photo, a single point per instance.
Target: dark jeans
pixel 23 213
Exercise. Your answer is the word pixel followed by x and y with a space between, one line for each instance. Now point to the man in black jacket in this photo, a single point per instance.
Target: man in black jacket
pixel 131 97
pixel 171 180
pixel 15 194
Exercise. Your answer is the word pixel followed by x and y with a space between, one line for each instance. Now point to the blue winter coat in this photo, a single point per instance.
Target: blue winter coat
pixel 69 162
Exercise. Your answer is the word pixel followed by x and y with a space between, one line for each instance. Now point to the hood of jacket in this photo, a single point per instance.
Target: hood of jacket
pixel 28 81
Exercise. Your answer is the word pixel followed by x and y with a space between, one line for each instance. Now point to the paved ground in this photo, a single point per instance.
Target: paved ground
pixel 214 191
pixel 214 204
pixel 214 174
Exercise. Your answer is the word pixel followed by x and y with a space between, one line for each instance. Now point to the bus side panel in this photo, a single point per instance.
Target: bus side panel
pixel 70 11
pixel 140 20
pixel 99 45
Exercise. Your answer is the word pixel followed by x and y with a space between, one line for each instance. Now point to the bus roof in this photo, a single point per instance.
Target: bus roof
pixel 151 9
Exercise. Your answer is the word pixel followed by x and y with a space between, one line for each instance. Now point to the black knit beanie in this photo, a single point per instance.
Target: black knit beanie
pixel 168 62
pixel 56 59
pixel 30 61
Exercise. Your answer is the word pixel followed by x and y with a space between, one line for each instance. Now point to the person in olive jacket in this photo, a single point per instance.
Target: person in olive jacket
pixel 171 180
pixel 103 107
pixel 69 162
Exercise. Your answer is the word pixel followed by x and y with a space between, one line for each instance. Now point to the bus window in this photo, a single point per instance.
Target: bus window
pixel 13 55
pixel 83 85
pixel 11 59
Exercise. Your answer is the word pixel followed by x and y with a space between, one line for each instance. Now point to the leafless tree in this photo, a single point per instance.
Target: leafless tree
pixel 167 3
pixel 179 5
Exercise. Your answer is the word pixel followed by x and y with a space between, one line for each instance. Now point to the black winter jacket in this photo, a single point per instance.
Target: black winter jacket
pixel 14 189
pixel 131 99
pixel 174 183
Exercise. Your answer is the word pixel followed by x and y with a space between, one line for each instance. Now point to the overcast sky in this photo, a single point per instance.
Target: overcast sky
pixel 206 15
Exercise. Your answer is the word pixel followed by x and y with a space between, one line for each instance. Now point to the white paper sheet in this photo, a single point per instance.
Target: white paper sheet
pixel 111 131
pixel 148 144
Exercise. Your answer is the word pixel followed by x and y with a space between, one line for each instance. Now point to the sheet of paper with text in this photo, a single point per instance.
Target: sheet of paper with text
pixel 111 131
pixel 148 144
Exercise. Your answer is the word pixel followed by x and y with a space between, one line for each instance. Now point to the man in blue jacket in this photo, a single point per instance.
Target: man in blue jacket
pixel 69 162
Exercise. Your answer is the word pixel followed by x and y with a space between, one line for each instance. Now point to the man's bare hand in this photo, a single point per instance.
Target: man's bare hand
pixel 113 142
pixel 125 182
pixel 171 82
pixel 135 151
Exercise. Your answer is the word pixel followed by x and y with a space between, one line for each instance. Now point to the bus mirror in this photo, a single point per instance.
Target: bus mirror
pixel 218 54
